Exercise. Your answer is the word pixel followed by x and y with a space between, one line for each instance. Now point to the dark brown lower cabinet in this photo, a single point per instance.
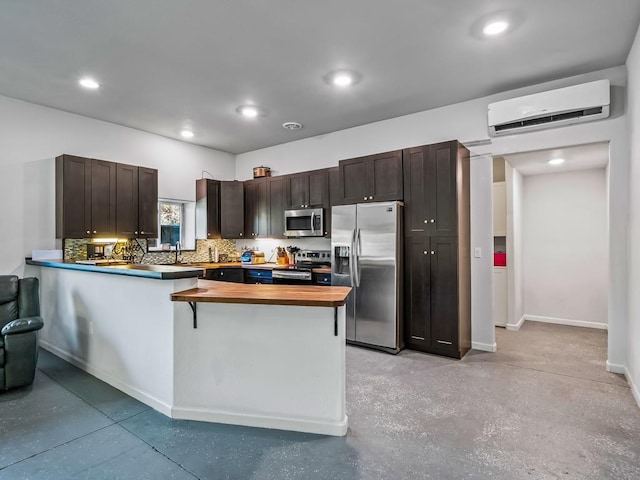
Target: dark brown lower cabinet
pixel 437 309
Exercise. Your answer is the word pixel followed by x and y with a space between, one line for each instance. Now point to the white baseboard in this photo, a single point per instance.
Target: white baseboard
pixel 511 326
pixel 143 397
pixel 299 425
pixel 632 386
pixel 566 321
pixel 614 368
pixel 486 347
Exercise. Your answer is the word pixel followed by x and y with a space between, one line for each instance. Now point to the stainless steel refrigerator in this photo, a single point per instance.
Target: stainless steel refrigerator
pixel 366 254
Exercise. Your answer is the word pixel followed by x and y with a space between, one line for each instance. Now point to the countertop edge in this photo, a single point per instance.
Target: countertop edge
pixel 191 295
pixel 187 272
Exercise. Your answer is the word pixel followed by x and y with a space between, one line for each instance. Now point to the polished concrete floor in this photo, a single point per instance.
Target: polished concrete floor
pixel 541 407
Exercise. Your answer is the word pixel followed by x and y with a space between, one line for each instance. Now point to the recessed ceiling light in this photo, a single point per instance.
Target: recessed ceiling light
pixel 292 125
pixel 495 28
pixel 89 83
pixel 251 111
pixel 186 133
pixel 556 161
pixel 342 78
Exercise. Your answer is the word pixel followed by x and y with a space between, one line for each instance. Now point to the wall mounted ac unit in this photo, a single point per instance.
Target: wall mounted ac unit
pixel 564 106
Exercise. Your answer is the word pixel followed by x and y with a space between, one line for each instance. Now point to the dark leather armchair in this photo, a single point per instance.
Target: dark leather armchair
pixel 19 322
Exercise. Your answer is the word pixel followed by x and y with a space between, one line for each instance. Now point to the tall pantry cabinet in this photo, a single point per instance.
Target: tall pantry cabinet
pixel 437 249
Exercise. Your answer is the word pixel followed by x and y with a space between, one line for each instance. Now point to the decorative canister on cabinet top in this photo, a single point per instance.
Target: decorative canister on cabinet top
pixel 259 172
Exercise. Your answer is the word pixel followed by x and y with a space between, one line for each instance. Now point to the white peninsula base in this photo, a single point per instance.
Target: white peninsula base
pixel 271 366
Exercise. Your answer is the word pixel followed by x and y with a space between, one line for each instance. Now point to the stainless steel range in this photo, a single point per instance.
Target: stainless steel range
pixel 301 273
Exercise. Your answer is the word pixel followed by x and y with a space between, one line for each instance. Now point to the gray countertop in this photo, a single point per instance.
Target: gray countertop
pixel 158 272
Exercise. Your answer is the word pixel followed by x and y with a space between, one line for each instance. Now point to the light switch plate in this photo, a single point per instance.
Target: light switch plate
pixel 477 252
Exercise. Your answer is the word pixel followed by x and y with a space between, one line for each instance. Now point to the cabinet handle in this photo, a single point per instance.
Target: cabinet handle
pixel 371 198
pixel 95 231
pixel 208 234
pixel 433 220
pixel 88 231
pixel 240 234
pixel 221 273
pixel 425 252
pixel 365 198
pixel 426 221
pixel 445 342
pixel 135 233
pixel 142 233
pixel 432 252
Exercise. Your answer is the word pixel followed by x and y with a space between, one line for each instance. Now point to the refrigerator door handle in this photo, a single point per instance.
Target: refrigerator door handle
pixel 352 258
pixel 356 267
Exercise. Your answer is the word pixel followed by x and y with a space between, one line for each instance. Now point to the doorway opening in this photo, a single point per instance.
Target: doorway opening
pixel 551 253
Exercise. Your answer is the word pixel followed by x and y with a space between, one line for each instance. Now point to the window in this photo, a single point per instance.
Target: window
pixel 176 223
pixel 170 215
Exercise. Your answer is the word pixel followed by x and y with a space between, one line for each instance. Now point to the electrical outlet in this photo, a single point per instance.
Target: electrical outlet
pixel 90 328
pixel 477 252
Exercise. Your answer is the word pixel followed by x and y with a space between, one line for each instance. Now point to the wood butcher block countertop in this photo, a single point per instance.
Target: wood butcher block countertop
pixel 296 295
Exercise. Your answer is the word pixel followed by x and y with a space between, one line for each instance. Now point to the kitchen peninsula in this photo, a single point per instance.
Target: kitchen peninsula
pixel 262 355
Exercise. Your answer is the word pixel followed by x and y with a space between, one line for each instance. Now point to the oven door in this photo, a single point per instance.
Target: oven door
pixel 308 222
pixel 292 277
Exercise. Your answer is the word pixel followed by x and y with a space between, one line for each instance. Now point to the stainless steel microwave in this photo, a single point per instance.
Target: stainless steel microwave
pixel 307 222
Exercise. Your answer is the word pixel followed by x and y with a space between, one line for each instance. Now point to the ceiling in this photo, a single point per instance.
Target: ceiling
pixel 165 64
pixel 582 157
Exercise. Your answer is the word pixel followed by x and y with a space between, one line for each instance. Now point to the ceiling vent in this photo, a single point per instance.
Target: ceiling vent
pixel 555 108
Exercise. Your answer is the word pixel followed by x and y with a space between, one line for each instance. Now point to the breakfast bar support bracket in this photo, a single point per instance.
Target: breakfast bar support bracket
pixel 195 314
pixel 335 321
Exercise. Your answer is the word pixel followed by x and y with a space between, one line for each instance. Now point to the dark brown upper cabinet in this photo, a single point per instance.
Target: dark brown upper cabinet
pixel 126 201
pixel 277 199
pixel 219 209
pixel 256 221
pixel 147 203
pixel 374 178
pixel 85 197
pixel 232 209
pixel 308 189
pixel 136 201
pixel 430 192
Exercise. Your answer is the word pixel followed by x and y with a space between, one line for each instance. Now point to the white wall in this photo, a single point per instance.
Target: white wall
pixel 31 137
pixel 633 106
pixel 467 121
pixel 564 240
pixel 482 330
pixel 515 273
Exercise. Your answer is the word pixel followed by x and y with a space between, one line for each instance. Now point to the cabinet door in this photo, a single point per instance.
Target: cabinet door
pixel 318 193
pixel 256 220
pixel 414 167
pixel 235 275
pixel 207 209
pixel 444 293
pixel 103 198
pixel 298 189
pixel 385 176
pixel 277 187
pixel 354 180
pixel 148 202
pixel 441 175
pixel 232 209
pixel 73 197
pixel 417 291
pixel 126 201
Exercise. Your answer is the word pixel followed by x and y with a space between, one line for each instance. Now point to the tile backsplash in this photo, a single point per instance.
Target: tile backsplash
pixel 76 249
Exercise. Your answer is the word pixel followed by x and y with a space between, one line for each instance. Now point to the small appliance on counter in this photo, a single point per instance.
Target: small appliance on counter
pixel 252 257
